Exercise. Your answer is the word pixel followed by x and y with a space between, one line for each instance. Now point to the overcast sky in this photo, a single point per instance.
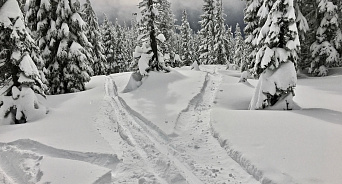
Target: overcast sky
pixel 123 9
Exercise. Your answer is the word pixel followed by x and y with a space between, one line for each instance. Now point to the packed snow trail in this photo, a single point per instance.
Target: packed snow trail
pixel 190 155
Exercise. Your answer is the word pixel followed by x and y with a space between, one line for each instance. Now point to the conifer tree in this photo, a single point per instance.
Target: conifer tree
pixel 94 37
pixel 240 57
pixel 207 33
pixel 221 54
pixel 166 25
pixel 230 46
pixel 306 23
pixel 119 47
pixel 328 39
pixel 31 17
pixel 107 39
pixel 185 32
pixel 252 28
pixel 149 54
pixel 276 59
pixel 70 68
pixel 19 73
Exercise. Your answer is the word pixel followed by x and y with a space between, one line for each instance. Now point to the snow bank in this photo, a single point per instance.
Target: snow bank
pixel 74 131
pixel 299 146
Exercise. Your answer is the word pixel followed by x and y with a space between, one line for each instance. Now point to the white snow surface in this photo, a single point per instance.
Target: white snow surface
pixel 179 127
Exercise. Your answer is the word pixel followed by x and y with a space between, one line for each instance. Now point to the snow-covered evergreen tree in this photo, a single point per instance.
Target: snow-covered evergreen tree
pixel 149 54
pixel 252 29
pixel 107 39
pixel 45 32
pixel 119 47
pixel 19 73
pixel 239 55
pixel 185 32
pixel 94 37
pixel 207 33
pixel 306 24
pixel 166 25
pixel 70 67
pixel 328 39
pixel 230 46
pixel 221 54
pixel 31 16
pixel 276 59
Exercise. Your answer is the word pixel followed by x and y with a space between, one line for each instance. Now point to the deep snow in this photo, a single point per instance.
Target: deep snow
pixel 179 127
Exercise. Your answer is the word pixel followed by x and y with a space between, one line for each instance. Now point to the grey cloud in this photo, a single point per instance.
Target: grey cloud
pixel 123 9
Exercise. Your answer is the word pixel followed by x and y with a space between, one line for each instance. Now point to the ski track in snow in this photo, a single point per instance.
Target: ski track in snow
pixel 143 152
pixel 190 155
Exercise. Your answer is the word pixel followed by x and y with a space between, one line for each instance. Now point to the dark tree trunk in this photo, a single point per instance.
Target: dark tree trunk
pixel 154 63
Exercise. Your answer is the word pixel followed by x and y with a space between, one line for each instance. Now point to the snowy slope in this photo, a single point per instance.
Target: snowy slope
pixel 180 127
pixel 300 146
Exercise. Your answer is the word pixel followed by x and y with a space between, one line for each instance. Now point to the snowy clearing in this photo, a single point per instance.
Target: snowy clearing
pixel 181 127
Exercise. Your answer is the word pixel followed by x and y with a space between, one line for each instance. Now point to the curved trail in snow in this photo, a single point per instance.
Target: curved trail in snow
pixel 190 155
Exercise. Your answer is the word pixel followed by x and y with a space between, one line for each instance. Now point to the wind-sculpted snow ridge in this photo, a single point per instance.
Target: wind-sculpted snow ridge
pixel 28 161
pixel 243 162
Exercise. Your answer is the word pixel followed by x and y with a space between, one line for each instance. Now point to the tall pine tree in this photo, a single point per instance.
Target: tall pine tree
pixel 276 59
pixel 94 37
pixel 252 29
pixel 239 55
pixel 221 52
pixel 149 53
pixel 207 33
pixel 328 39
pixel 70 67
pixel 19 73
pixel 185 32
pixel 108 46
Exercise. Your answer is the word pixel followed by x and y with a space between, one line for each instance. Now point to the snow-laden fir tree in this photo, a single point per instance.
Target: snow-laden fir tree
pixel 19 74
pixel 185 32
pixel 70 67
pixel 207 34
pixel 239 55
pixel 108 46
pixel 195 42
pixel 131 41
pixel 167 27
pixel 31 16
pixel 221 54
pixel 230 46
pixel 94 37
pixel 306 29
pixel 149 53
pixel 252 29
pixel 120 49
pixel 328 39
pixel 276 59
pixel 127 50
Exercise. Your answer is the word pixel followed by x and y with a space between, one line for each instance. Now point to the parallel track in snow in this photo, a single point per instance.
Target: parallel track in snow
pixel 191 155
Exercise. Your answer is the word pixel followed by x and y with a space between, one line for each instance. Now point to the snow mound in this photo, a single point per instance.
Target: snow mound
pixel 298 146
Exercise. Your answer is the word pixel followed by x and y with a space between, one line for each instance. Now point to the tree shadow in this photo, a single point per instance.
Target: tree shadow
pixel 327 115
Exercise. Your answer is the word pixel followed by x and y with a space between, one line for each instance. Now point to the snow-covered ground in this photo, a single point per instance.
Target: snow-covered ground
pixel 180 127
